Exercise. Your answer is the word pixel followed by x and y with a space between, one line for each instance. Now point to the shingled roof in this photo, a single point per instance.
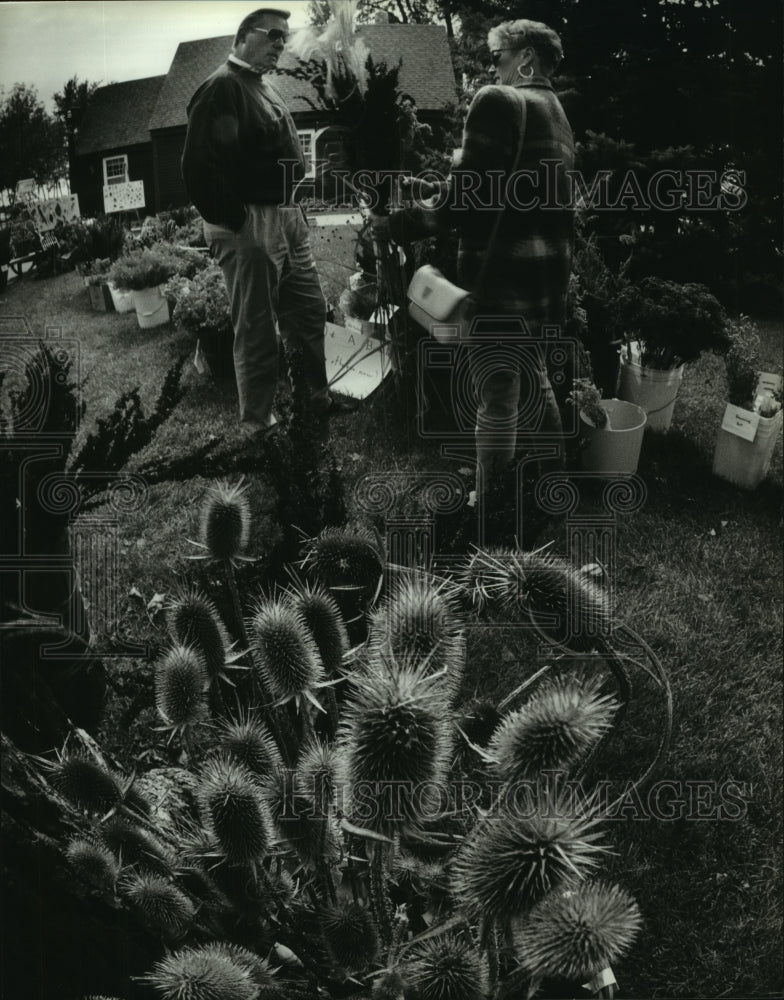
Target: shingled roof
pixel 119 115
pixel 426 73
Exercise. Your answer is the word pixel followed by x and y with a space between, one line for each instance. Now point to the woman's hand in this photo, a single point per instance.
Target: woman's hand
pixel 419 189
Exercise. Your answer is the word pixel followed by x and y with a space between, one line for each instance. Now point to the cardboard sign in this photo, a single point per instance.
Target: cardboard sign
pixel 768 380
pixel 46 214
pixel 123 197
pixel 742 423
pixel 25 187
pixel 356 364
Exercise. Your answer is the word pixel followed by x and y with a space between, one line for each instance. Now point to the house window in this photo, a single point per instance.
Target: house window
pixel 307 139
pixel 115 170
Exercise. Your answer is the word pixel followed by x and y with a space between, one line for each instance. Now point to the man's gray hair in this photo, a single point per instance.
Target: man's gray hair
pixel 521 34
pixel 254 20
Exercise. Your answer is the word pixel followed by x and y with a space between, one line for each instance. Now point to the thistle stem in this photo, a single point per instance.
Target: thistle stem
pixel 378 894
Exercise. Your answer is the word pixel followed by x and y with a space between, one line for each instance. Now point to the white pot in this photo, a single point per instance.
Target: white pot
pixel 152 307
pixel 615 448
pixel 123 301
pixel 654 389
pixel 746 463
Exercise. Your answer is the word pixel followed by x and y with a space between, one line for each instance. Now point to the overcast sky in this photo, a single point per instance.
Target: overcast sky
pixel 44 44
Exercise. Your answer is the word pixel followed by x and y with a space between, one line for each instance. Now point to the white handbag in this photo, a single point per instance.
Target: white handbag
pixel 444 309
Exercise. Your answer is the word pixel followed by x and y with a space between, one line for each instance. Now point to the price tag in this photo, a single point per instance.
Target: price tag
pixel 768 380
pixel 600 980
pixel 742 423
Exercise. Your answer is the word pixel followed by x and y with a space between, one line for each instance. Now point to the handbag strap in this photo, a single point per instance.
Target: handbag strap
pixel 500 214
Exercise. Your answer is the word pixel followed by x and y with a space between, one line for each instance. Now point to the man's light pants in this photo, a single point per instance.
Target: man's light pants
pixel 270 273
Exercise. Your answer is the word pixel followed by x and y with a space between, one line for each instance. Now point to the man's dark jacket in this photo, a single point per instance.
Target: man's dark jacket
pixel 239 136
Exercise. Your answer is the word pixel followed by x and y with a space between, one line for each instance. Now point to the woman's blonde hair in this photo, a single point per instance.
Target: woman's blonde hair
pixel 523 33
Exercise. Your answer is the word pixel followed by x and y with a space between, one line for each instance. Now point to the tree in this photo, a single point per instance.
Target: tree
pixel 70 108
pixel 31 140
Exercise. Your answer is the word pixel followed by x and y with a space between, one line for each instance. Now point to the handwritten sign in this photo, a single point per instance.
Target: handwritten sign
pixel 769 381
pixel 742 423
pixel 123 197
pixel 46 214
pixel 356 364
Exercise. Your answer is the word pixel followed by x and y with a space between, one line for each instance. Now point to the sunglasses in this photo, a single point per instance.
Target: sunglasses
pixel 274 34
pixel 495 55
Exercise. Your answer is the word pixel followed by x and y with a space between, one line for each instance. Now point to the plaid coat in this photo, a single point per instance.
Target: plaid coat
pixel 528 272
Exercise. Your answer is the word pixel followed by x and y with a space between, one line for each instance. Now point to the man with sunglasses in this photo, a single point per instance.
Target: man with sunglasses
pixel 241 162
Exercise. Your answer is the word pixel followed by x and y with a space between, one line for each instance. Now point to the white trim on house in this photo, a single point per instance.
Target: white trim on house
pixel 307 139
pixel 118 165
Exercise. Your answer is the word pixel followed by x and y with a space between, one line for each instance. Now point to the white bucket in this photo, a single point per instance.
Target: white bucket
pixel 615 448
pixel 654 389
pixel 152 307
pixel 746 463
pixel 123 301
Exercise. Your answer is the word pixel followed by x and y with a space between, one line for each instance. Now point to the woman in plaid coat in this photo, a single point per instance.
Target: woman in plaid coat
pixel 525 280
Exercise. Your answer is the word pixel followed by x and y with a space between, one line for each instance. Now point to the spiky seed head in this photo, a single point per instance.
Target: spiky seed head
pixel 258 968
pixel 349 935
pixel 136 847
pixel 342 558
pixel 297 817
pixel 180 683
pixel 225 524
pixel 548 585
pixel 162 905
pixel 87 784
pixel 394 740
pixel 448 968
pixel 482 579
pixel 288 655
pixel 415 876
pixel 421 622
pixel 135 799
pixel 248 742
pixel 512 859
pixel 93 864
pixel 576 934
pixel 562 721
pixel 391 986
pixel 190 974
pixel 317 768
pixel 233 809
pixel 321 614
pixel 193 620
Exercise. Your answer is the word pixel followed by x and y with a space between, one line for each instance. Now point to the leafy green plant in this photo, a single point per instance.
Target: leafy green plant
pixel 742 363
pixel 587 398
pixel 673 323
pixel 151 266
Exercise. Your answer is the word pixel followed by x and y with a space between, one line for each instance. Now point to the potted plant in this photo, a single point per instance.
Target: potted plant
pixel 665 325
pixel 611 430
pixel 96 276
pixel 753 415
pixel 201 306
pixel 144 273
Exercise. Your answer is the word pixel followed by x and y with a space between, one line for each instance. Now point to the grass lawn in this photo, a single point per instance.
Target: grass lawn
pixel 698 574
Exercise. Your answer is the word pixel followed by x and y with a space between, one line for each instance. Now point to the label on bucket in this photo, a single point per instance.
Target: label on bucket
pixel 768 380
pixel 741 422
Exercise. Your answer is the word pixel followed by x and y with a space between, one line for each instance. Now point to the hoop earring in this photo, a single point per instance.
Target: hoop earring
pixel 525 76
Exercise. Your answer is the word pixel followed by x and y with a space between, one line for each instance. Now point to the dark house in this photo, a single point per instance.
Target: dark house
pixel 159 116
pixel 113 142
